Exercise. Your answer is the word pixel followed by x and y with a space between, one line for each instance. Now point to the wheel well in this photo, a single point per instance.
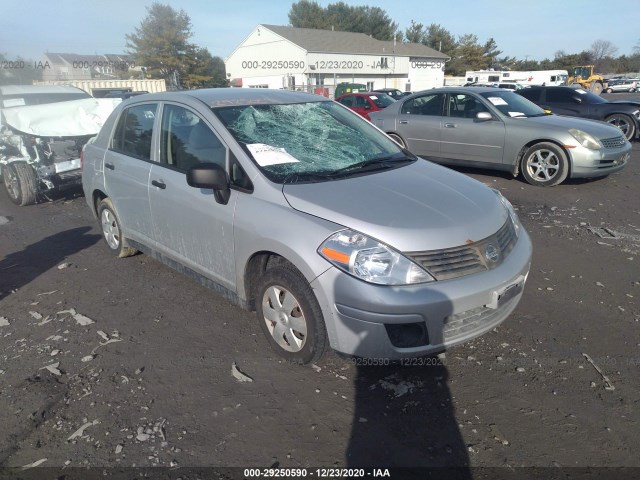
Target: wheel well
pixel 98 196
pixel 259 263
pixel 526 147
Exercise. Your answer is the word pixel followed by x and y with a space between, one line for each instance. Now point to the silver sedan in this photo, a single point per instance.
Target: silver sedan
pixel 497 129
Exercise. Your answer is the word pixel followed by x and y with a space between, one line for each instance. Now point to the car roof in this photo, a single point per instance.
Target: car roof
pixel 36 89
pixel 227 97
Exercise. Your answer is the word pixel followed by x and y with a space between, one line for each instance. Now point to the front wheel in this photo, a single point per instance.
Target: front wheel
pixel 545 165
pixel 112 231
pixel 20 182
pixel 290 316
pixel 609 90
pixel 596 88
pixel 624 123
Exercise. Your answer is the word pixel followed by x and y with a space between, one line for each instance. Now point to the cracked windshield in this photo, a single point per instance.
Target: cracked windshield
pixel 308 141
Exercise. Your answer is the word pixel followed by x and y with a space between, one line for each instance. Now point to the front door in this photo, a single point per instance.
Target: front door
pixel 189 225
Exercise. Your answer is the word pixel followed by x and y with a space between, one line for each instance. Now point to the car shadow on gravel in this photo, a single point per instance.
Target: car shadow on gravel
pixel 404 415
pixel 19 268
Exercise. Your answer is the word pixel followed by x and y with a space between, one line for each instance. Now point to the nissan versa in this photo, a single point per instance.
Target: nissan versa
pixel 291 205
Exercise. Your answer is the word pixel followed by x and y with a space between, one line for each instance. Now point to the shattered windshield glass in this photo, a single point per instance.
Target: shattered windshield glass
pixel 314 141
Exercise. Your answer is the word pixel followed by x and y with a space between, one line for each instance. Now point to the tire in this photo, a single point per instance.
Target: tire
pixel 111 230
pixel 545 165
pixel 21 183
pixel 609 90
pixel 397 139
pixel 290 316
pixel 625 123
pixel 596 88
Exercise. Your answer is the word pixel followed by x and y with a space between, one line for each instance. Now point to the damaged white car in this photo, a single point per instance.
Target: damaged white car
pixel 42 132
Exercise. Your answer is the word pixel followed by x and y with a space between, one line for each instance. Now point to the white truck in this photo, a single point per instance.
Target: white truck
pixel 532 77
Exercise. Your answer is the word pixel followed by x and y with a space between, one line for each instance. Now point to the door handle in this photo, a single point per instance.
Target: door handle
pixel 403 122
pixel 449 125
pixel 159 183
pixel 110 166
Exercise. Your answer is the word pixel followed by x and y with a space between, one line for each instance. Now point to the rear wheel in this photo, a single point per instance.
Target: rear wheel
pixel 545 165
pixel 624 123
pixel 609 90
pixel 112 231
pixel 20 182
pixel 289 315
pixel 596 88
pixel 397 139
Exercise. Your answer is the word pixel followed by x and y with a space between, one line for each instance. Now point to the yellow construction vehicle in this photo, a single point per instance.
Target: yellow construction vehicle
pixel 584 76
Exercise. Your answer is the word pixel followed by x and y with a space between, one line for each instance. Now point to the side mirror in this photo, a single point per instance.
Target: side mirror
pixel 367 107
pixel 577 99
pixel 213 176
pixel 483 116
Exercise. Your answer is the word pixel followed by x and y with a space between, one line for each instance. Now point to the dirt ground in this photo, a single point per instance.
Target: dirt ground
pixel 117 363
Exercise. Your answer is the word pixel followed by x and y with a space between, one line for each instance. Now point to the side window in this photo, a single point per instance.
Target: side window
pixel 430 105
pixel 465 106
pixel 186 140
pixel 559 95
pixel 361 102
pixel 347 101
pixel 134 130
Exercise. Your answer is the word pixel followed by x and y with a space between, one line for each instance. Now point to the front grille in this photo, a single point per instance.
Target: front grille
pixel 614 142
pixel 464 260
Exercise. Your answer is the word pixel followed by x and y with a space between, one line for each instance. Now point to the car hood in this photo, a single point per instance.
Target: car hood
pixel 594 127
pixel 75 118
pixel 421 206
pixel 629 103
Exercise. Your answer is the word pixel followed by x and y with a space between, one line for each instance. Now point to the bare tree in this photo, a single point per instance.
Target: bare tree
pixel 601 49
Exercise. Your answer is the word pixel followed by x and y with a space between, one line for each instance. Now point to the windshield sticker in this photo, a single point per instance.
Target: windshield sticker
pixel 580 91
pixel 267 155
pixel 516 114
pixel 497 101
pixel 373 97
pixel 13 102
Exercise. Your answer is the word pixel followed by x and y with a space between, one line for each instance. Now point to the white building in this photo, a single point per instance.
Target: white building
pixel 317 60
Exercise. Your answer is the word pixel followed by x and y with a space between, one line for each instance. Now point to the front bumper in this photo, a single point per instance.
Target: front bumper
pixel 598 163
pixel 360 316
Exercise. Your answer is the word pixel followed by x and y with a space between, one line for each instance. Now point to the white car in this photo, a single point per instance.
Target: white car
pixel 622 85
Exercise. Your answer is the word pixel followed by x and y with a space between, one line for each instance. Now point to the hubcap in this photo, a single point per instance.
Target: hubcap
pixel 110 229
pixel 621 123
pixel 11 182
pixel 284 318
pixel 543 165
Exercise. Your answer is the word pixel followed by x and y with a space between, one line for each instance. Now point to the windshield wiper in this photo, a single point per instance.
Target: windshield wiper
pixel 380 163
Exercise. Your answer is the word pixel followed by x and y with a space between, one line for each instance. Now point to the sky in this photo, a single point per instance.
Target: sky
pixel 525 29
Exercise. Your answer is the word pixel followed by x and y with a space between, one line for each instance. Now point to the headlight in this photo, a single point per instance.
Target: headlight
pixel 585 139
pixel 370 260
pixel 512 211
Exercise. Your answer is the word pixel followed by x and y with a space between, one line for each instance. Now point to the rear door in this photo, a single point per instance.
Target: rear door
pixel 127 164
pixel 188 224
pixel 419 123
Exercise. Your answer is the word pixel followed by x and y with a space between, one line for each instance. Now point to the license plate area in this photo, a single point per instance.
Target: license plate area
pixel 500 297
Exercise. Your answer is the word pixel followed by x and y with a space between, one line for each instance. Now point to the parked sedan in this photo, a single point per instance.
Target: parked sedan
pixel 577 102
pixel 496 128
pixel 290 205
pixel 394 93
pixel 365 103
pixel 622 85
